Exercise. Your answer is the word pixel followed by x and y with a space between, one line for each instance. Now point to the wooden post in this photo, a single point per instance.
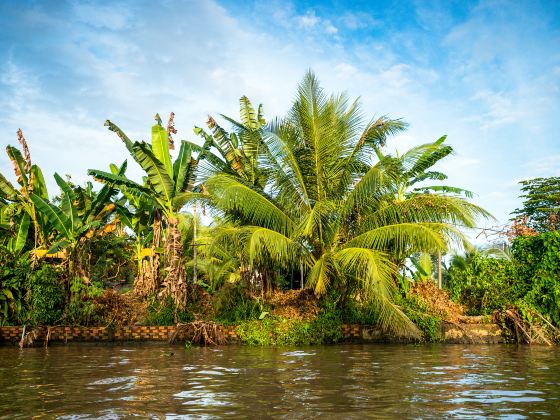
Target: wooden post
pixel 439 269
pixel 194 245
pixel 301 274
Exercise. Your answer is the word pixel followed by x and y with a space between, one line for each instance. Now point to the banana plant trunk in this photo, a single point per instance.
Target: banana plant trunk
pixel 175 283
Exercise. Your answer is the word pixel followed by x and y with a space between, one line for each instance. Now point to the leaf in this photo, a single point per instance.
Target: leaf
pixel 56 247
pixel 54 215
pixel 158 176
pixel 114 128
pixel 7 190
pixel 232 195
pixel 160 147
pixel 247 112
pixel 19 165
pixel 22 232
pixel 119 180
pixel 67 201
pixel 108 190
pixel 39 185
pixel 183 173
pixel 263 315
pixel 445 189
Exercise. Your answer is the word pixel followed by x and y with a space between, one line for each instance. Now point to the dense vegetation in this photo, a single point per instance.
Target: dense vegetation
pixel 310 201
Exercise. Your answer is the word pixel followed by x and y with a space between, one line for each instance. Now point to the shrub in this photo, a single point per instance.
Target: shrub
pixel 233 304
pixel 326 328
pixel 419 312
pixel 538 261
pixel 165 313
pixel 484 285
pixel 46 298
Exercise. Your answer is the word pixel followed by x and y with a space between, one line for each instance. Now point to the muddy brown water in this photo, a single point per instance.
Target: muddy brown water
pixel 343 381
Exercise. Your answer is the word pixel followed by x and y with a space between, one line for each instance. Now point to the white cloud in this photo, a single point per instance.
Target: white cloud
pixel 195 58
pixel 358 20
pixel 309 19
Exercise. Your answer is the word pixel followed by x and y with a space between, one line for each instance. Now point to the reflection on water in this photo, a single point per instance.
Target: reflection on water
pixel 381 381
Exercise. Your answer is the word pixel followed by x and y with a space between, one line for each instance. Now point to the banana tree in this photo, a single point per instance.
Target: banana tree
pixel 78 215
pixel 138 213
pixel 169 186
pixel 415 167
pixel 18 206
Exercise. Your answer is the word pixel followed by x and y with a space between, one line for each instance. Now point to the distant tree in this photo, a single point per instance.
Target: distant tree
pixel 541 208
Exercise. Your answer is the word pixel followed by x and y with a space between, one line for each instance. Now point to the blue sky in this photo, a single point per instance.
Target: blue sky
pixel 485 73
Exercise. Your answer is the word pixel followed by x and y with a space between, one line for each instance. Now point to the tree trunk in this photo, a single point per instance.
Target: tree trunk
pixel 175 283
pixel 147 279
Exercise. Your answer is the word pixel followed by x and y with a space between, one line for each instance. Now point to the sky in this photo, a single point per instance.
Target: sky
pixel 485 73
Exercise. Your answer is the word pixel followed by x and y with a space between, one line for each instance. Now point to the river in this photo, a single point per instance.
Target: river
pixel 342 381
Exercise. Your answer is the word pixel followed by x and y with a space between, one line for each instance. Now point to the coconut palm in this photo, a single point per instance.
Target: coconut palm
pixel 329 203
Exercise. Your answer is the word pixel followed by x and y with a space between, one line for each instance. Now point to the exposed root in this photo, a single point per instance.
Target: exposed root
pixel 200 332
pixel 525 332
pixel 28 338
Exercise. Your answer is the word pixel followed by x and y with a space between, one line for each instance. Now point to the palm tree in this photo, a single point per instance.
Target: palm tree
pixel 239 152
pixel 329 204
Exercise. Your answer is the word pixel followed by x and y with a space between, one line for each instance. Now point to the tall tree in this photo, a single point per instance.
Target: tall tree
pixel 330 205
pixel 541 204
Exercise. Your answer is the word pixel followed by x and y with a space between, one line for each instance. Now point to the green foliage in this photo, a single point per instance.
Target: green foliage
pixel 233 304
pixel 47 296
pixel 112 260
pixel 326 328
pixel 82 309
pixel 529 280
pixel 418 311
pixel 165 313
pixel 484 284
pixel 538 261
pixel 14 273
pixel 29 296
pixel 359 313
pixel 541 204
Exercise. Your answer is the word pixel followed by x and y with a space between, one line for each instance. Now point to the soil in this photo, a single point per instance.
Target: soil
pixel 294 304
pixel 438 301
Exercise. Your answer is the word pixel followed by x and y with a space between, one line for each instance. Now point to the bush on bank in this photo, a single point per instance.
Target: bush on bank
pixel 530 279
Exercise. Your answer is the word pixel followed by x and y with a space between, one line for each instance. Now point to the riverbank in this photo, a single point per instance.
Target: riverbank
pixel 465 333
